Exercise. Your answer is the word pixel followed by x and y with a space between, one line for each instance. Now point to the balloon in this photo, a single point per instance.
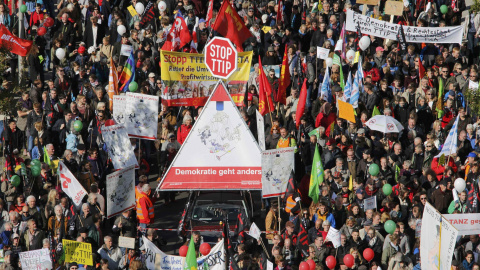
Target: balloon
pixel 368 254
pixel 36 162
pixel 331 262
pixel 390 226
pixel 23 8
pixel 162 6
pixel 78 125
pixel 121 29
pixel 348 260
pixel 60 53
pixel 387 189
pixel 459 185
pixel 41 31
pixel 364 43
pixel 312 264
pixel 139 7
pixel 48 22
pixel 205 249
pixel 81 49
pixel 36 171
pixel 15 180
pixel 374 169
pixel 329 62
pixel 304 266
pixel 350 56
pixel 443 9
pixel 183 251
pixel 133 86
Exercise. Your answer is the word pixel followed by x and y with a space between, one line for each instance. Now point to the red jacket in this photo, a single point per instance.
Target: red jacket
pixel 182 133
pixel 438 169
pixel 325 121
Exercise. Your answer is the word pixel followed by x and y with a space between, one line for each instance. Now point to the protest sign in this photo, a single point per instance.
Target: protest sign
pixel 254 231
pixel 333 236
pixel 36 259
pixel 260 130
pixel 119 148
pixel 141 116
pixel 120 187
pixel 383 29
pixel 157 259
pixel 466 224
pixel 126 242
pixel 368 2
pixel 78 252
pixel 394 8
pixel 472 85
pixel 438 240
pixel 370 203
pixel 346 111
pixel 70 184
pixel 322 53
pixel 126 50
pixel 119 104
pixel 277 164
pixel 189 83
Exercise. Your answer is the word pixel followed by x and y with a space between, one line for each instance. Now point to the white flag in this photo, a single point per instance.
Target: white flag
pixel 254 231
pixel 450 145
pixel 70 185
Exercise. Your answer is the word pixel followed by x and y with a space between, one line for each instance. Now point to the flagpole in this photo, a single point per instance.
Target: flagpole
pixel 20 26
pixel 279 221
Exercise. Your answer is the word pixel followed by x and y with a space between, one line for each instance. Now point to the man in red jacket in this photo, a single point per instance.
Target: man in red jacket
pixel 145 211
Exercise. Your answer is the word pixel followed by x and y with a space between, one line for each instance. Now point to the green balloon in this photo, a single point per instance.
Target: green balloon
pixel 15 180
pixel 23 8
pixel 36 162
pixel 23 170
pixel 387 189
pixel 36 171
pixel 78 125
pixel 133 86
pixel 390 226
pixel 374 169
pixel 444 9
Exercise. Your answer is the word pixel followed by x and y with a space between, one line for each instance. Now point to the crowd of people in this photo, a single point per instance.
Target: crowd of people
pixel 37 214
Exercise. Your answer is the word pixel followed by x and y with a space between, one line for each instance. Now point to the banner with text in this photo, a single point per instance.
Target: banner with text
pixel 277 165
pixel 466 224
pixel 78 252
pixel 413 34
pixel 120 191
pixel 187 81
pixel 36 259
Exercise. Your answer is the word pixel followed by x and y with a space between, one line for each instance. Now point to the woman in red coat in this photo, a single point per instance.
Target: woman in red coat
pixel 325 118
pixel 184 129
pixel 439 169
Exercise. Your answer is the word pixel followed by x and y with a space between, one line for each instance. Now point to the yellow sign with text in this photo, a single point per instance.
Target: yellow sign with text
pixel 78 252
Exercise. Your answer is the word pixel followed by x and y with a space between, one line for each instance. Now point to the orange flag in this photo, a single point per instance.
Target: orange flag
pixel 302 100
pixel 265 104
pixel 284 80
pixel 112 83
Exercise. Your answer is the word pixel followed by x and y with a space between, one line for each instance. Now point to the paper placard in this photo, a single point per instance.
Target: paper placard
pixel 333 236
pixel 394 8
pixel 126 50
pixel 370 203
pixel 322 53
pixel 132 11
pixel 368 2
pixel 126 242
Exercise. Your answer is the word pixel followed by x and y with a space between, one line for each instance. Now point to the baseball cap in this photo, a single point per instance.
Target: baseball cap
pixel 345 184
pixel 15 235
pixel 361 131
pixel 379 49
pixel 367 222
pixel 201 21
pixel 360 191
pixel 472 154
pixel 151 75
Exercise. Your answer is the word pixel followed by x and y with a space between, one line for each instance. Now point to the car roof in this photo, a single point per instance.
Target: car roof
pixel 219 196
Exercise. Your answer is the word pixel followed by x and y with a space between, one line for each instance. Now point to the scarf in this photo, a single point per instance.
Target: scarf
pixel 372 241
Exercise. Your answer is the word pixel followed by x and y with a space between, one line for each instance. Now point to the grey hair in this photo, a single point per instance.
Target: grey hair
pixel 30 198
pixel 45 241
pixel 85 205
pixel 185 118
pixel 146 188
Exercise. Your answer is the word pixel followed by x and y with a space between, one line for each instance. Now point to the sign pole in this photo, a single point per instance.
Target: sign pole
pixel 278 199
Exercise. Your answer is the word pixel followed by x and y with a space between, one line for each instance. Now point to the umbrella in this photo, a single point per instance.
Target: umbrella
pixel 384 124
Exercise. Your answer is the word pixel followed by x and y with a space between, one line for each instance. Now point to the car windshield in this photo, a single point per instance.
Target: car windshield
pixel 207 211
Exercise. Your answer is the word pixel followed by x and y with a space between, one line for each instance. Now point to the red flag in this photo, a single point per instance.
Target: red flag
pixel 229 24
pixel 209 12
pixel 194 43
pixel 280 12
pixel 284 80
pixel 421 69
pixel 13 43
pixel 265 104
pixel 178 36
pixel 302 100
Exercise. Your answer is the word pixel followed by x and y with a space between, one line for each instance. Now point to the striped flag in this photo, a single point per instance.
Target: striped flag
pixel 128 73
pixel 326 92
pixel 357 83
pixel 112 83
pixel 348 87
pixel 451 143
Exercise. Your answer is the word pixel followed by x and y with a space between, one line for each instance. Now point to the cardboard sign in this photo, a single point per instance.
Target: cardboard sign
pixel 126 242
pixel 394 8
pixel 368 2
pixel 36 259
pixel 78 252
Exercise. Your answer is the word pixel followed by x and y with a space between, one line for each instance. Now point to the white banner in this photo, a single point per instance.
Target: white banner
pixel 370 203
pixel 333 236
pixel 120 150
pixel 413 34
pixel 260 130
pixel 70 185
pixel 120 191
pixel 141 116
pixel 438 240
pixel 466 224
pixel 157 259
pixel 277 165
pixel 36 259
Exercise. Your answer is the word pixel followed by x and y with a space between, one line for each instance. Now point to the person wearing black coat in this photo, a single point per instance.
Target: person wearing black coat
pixel 89 38
pixel 13 137
pixel 66 31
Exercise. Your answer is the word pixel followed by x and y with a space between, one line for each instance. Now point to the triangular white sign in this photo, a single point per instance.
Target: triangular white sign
pixel 220 152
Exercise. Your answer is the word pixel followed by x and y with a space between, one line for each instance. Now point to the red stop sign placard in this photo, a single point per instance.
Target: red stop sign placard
pixel 221 57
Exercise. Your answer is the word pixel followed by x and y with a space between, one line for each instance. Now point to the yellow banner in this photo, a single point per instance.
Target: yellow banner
pixel 78 252
pixel 189 83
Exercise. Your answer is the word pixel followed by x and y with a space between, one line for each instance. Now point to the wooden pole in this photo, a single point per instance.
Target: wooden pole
pixel 278 198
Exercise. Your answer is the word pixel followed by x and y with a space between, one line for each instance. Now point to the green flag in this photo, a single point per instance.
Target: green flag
pixel 397 172
pixel 191 258
pixel 338 61
pixel 440 98
pixel 316 176
pixel 375 111
pixel 46 158
pixel 314 133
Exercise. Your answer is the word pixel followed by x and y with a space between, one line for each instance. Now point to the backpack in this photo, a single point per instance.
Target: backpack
pixel 72 142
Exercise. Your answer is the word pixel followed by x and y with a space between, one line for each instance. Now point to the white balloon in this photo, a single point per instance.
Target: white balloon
pixel 162 6
pixel 139 7
pixel 60 53
pixel 460 185
pixel 329 62
pixel 121 29
pixel 350 55
pixel 364 43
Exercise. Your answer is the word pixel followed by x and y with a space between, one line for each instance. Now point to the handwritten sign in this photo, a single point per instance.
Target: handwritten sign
pixel 333 236
pixel 370 203
pixel 126 242
pixel 78 252
pixel 36 259
pixel 368 2
pixel 394 8
pixel 322 53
